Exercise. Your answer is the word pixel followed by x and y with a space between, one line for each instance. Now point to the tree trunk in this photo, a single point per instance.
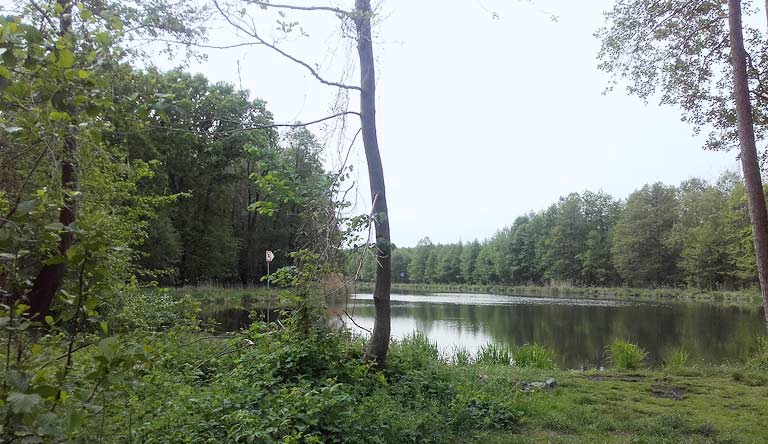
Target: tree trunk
pixel 50 277
pixel 378 344
pixel 749 160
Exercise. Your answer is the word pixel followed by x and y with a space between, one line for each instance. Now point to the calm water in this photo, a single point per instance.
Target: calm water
pixel 578 330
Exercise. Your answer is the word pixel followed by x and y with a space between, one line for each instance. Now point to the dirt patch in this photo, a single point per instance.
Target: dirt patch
pixel 624 378
pixel 668 391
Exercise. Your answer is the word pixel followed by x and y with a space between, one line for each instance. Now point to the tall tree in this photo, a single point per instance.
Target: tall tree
pixel 749 161
pixel 379 341
pixel 360 18
pixel 641 251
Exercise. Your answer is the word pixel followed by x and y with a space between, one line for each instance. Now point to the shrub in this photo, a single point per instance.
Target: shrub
pixel 150 309
pixel 676 359
pixel 625 355
pixel 534 355
pixel 494 354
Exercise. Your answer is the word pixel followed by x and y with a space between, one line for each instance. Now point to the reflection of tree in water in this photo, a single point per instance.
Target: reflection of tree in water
pixel 580 333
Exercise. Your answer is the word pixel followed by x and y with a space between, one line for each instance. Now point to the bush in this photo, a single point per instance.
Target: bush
pixel 150 309
pixel 625 355
pixel 536 356
pixel 676 359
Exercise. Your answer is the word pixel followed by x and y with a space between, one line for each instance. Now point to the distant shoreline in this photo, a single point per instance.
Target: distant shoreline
pixel 736 297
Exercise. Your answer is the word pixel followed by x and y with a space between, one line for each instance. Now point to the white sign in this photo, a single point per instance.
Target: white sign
pixel 270 256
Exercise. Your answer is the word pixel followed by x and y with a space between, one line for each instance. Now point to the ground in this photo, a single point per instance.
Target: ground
pixel 693 406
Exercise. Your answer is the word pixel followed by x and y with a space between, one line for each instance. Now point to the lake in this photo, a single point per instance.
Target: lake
pixel 577 329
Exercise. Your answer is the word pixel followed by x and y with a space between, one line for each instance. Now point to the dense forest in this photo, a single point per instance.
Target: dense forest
pixel 695 234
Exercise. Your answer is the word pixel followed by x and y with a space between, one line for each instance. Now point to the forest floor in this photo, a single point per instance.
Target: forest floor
pixel 738 297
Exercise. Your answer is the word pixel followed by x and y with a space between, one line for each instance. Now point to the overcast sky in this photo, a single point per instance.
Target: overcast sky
pixel 480 119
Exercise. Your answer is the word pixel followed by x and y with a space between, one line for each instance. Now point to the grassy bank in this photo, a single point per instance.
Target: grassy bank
pixel 751 297
pixel 161 378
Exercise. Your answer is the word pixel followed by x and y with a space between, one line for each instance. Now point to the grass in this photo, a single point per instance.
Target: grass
pixel 608 408
pixel 625 355
pixel 734 297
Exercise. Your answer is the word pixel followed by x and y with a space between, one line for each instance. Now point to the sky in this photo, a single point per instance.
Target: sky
pixel 481 117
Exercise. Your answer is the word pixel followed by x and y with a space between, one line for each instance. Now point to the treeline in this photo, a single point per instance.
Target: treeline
pixel 696 234
pixel 239 186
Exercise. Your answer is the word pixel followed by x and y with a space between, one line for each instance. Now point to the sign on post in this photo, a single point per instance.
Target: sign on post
pixel 270 258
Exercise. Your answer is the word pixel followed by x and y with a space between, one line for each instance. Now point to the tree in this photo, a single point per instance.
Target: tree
pixel 59 60
pixel 641 251
pixel 749 161
pixel 360 19
pixel 697 57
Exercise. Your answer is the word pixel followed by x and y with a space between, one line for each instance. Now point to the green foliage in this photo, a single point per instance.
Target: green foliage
pixel 759 361
pixel 494 354
pixel 535 356
pixel 625 355
pixel 150 309
pixel 697 235
pixel 676 359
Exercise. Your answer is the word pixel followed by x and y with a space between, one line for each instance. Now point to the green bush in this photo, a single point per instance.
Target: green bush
pixel 534 355
pixel 625 355
pixel 676 359
pixel 150 309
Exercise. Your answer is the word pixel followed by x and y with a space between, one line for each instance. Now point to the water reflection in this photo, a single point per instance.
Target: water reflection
pixel 578 330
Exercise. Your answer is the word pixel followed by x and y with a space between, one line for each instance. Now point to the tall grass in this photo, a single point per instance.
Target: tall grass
pixel 535 356
pixel 675 359
pixel 625 355
pixel 494 354
pixel 759 361
pixel 528 355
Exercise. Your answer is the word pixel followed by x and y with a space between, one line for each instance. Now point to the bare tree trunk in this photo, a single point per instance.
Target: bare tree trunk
pixel 49 279
pixel 749 160
pixel 378 345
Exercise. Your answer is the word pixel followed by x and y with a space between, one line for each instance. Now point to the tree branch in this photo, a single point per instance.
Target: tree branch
pixel 300 8
pixel 259 127
pixel 256 36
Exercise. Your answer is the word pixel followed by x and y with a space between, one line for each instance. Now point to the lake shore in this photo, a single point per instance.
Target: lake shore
pixel 739 297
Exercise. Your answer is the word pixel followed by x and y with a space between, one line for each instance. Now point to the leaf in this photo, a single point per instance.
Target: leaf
pixel 4 72
pixel 26 207
pixel 108 348
pixel 49 320
pixel 65 59
pixel 55 226
pixel 12 129
pixel 22 402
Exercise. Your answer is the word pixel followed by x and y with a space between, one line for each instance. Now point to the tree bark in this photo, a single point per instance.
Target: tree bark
pixel 49 279
pixel 378 344
pixel 749 161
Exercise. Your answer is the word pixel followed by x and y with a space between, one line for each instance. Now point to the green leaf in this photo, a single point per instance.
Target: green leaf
pixel 108 348
pixel 4 72
pixel 49 320
pixel 22 402
pixel 65 59
pixel 55 226
pixel 26 207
